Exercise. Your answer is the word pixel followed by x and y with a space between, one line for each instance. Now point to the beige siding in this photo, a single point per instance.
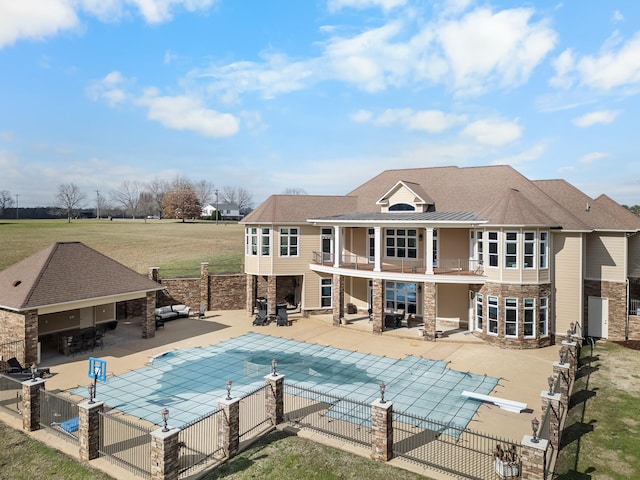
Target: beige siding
pixel 567 264
pixel 453 302
pixel 605 257
pixel 312 290
pixel 634 255
pixel 453 243
pixel 402 195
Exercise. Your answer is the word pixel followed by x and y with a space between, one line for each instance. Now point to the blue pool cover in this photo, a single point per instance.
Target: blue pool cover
pixel 191 382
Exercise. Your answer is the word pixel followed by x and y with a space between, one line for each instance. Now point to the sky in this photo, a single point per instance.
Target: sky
pixel 315 95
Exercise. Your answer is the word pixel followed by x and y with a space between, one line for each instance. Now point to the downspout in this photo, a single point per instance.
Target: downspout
pixel 626 326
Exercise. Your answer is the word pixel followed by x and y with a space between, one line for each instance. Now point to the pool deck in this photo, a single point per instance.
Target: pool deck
pixel 522 374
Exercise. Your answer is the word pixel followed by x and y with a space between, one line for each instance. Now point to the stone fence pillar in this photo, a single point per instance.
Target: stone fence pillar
pixel 551 406
pixel 429 311
pixel 274 398
pixel 164 454
pixel 204 284
pixel 229 427
pixel 573 355
pixel 534 458
pixel 31 404
pixel 89 429
pixel 382 431
pixel 338 299
pixel 563 372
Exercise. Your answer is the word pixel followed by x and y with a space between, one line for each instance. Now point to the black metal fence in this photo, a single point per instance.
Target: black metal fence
pixel 335 416
pixel 200 446
pixel 11 395
pixel 253 415
pixel 59 414
pixel 458 451
pixel 9 350
pixel 126 443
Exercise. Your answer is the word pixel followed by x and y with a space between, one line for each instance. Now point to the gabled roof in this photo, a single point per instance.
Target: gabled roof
pixel 297 208
pixel 420 196
pixel 67 272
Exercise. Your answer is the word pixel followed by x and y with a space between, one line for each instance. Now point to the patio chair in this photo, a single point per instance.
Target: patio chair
pixel 202 310
pixel 282 318
pixel 15 368
pixel 261 315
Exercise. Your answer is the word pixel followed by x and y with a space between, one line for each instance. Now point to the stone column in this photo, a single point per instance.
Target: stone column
pixel 149 322
pixel 534 458
pixel 377 306
pixel 429 311
pixel 31 404
pixel 562 371
pixel 89 429
pixel 204 284
pixel 337 285
pixel 382 431
pixel 251 294
pixel 573 353
pixel 31 337
pixel 229 427
pixel 164 454
pixel 551 406
pixel 271 295
pixel 274 398
pixel 154 274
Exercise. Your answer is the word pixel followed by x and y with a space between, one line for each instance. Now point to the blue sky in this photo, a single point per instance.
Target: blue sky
pixel 315 95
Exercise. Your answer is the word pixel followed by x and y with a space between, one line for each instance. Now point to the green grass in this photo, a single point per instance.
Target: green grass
pixel 173 246
pixel 602 433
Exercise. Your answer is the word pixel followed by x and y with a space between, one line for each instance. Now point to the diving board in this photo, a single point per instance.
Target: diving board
pixel 503 403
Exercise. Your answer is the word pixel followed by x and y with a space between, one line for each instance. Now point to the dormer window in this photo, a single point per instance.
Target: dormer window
pixel 402 207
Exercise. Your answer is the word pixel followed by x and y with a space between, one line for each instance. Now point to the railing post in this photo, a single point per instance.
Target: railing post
pixel 572 355
pixel 164 454
pixel 274 398
pixel 229 427
pixel 89 429
pixel 382 430
pixel 31 404
pixel 534 458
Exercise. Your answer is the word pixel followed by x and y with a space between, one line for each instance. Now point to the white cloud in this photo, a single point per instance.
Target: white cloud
pixel 188 113
pixel 593 157
pixel 337 5
pixel 169 57
pixel 617 17
pixel 493 132
pixel 432 121
pixel 109 88
pixel 592 118
pixel 528 155
pixel 564 66
pixel 362 116
pixel 7 135
pixel 34 19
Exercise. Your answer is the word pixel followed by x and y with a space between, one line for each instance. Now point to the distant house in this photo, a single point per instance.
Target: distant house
pixel 227 211
pixel 513 261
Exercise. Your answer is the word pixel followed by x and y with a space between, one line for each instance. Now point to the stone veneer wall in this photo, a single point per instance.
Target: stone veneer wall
pixel 12 328
pixel 520 292
pixel 227 292
pixel 616 292
pixel 182 291
pixel 634 327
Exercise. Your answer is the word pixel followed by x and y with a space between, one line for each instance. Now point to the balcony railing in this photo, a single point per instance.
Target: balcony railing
pixel 446 266
pixel 634 306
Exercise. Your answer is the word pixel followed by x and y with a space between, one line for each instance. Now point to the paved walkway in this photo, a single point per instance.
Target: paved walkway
pixel 522 373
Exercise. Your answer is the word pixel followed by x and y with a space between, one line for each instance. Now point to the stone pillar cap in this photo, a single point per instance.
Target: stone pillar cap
pixel 541 445
pixel 377 403
pixel 162 435
pixel 224 401
pixel 272 378
pixel 36 381
pixel 555 396
pixel 89 406
pixel 561 365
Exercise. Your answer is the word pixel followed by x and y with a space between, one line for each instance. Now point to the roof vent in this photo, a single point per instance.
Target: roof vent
pixel 16 283
pixel 588 207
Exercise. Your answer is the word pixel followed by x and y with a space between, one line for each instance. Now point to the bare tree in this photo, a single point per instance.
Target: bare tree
pixel 204 190
pixel 6 200
pixel 181 201
pixel 69 197
pixel 295 191
pixel 157 189
pixel 128 196
pixel 238 196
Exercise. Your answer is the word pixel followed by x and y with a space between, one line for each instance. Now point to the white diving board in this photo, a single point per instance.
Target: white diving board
pixel 503 403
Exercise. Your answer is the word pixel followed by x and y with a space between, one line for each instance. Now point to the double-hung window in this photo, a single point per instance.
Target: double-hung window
pixel 544 249
pixel 326 289
pixel 266 242
pixel 479 311
pixel 257 241
pixel 511 317
pixel 529 249
pixel 492 307
pixel 289 241
pixel 402 243
pixel 493 248
pixel 529 321
pixel 511 249
pixel 543 317
pixel 251 241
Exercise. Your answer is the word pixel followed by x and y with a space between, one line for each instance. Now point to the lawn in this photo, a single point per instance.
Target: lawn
pixel 602 433
pixel 175 247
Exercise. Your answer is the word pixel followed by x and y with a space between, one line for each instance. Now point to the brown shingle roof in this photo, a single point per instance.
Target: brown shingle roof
pixel 298 208
pixel 513 208
pixel 67 272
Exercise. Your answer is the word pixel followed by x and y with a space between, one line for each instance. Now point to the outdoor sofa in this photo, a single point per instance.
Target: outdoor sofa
pixel 172 311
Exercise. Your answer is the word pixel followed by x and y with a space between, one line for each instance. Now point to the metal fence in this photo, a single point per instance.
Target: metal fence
pixel 126 443
pixel 335 416
pixel 9 350
pixel 460 452
pixel 199 443
pixel 11 395
pixel 59 414
pixel 253 414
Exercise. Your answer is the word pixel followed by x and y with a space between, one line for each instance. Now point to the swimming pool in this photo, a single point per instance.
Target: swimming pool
pixel 190 382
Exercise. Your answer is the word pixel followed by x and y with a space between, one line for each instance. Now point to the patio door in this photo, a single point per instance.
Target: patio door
pixel 86 317
pixel 598 317
pixel 327 245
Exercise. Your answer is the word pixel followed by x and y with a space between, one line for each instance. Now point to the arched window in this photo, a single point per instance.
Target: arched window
pixel 402 207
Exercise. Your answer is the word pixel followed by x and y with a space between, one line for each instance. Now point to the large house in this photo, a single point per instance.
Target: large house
pixel 515 262
pixel 227 211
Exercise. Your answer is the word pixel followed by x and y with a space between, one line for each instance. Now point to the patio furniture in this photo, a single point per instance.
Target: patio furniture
pixel 16 369
pixel 171 312
pixel 282 318
pixel 202 310
pixel 261 315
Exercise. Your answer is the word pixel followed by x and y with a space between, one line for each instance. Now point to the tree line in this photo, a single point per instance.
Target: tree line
pixel 178 198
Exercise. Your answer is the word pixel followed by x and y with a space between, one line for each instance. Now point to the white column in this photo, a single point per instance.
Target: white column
pixel 337 246
pixel 428 251
pixel 377 243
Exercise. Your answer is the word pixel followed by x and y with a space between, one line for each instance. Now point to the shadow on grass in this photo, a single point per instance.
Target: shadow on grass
pixel 581 397
pixel 573 475
pixel 575 431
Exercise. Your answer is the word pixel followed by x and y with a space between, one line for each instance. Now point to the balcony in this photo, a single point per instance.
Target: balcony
pixel 454 266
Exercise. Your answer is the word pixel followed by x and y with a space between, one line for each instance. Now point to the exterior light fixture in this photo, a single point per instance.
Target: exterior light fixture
pixel 572 325
pixel 561 354
pixel 92 391
pixel 550 380
pixel 569 335
pixel 165 418
pixel 34 370
pixel 229 389
pixel 382 389
pixel 535 424
pixel 274 364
